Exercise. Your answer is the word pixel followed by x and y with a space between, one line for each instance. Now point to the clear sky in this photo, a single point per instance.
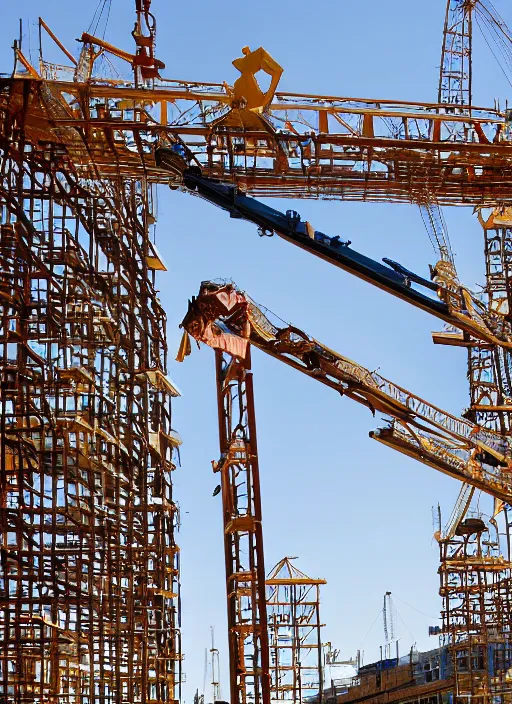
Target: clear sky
pixel 354 512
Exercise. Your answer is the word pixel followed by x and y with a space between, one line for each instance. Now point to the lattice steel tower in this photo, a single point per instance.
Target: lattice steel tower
pixel 294 628
pixel 89 564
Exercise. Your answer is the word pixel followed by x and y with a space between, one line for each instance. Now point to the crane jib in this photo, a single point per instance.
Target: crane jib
pixel 394 279
pixel 226 318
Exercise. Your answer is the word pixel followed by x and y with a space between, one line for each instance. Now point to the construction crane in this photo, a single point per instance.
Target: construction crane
pixel 229 321
pixel 444 297
pixel 488 364
pixel 226 318
pixel 455 90
pixel 389 625
pixel 481 323
pixel 457 305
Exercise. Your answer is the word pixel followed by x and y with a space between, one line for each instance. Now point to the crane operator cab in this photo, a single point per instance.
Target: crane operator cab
pixel 172 158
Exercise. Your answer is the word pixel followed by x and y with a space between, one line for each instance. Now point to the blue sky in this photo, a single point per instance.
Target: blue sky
pixel 354 512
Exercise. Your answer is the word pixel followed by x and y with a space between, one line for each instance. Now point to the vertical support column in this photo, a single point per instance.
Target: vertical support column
pixel 475 579
pixel 243 537
pixel 476 615
pixel 455 81
pixel 489 367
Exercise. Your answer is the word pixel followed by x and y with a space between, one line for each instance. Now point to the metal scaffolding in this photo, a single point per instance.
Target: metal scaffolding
pixel 294 629
pixel 89 569
pixel 475 576
pixel 89 566
pixel 476 614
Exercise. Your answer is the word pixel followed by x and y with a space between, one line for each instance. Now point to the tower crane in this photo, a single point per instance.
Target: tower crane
pixel 455 95
pixel 457 306
pixel 227 320
pixel 389 624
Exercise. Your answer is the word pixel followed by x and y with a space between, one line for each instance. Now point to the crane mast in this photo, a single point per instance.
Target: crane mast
pixel 389 624
pixel 455 81
pixel 215 668
pixel 490 367
pixel 243 536
pixel 454 89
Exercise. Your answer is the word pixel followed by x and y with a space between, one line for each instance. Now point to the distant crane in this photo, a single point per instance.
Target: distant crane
pixel 389 626
pixel 215 663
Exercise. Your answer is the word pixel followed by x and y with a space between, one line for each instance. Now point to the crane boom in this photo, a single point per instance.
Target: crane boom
pixel 446 298
pixel 226 318
pixel 350 149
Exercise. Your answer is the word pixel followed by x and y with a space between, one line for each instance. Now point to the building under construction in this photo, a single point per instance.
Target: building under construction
pixel 89 571
pixel 90 566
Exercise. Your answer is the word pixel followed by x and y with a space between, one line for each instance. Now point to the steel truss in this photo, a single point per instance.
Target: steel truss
pixel 243 537
pixel 295 643
pixel 89 569
pixel 477 615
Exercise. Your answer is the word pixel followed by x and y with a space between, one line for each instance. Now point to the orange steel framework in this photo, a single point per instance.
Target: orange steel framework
pixel 89 564
pixel 89 568
pixel 243 538
pixel 475 574
pixel 476 618
pixel 87 441
pixel 304 145
pixel 274 143
pixel 294 627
